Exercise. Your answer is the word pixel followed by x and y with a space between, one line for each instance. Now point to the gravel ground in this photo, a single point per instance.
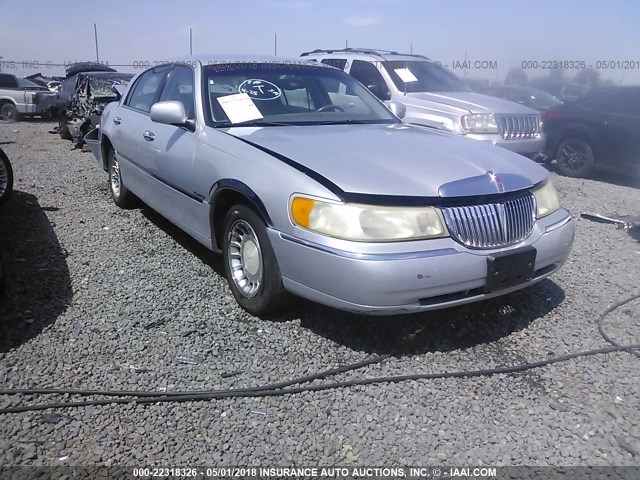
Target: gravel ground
pixel 100 297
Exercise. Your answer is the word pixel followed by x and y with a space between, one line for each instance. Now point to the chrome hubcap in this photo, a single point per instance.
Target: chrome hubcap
pixel 4 178
pixel 115 176
pixel 574 155
pixel 245 258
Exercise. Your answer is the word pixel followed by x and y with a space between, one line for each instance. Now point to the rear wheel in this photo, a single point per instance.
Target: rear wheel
pixel 121 195
pixel 250 265
pixel 6 178
pixel 9 112
pixel 575 157
pixel 63 130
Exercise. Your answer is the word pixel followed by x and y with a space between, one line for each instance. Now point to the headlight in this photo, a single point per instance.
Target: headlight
pixel 540 124
pixel 367 222
pixel 547 200
pixel 480 123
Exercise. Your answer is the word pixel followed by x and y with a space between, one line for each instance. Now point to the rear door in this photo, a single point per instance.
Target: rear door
pixel 619 130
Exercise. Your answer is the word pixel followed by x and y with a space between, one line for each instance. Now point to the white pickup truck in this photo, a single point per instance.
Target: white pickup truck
pixel 19 97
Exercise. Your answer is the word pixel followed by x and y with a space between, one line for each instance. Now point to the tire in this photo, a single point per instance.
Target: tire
pixel 250 265
pixel 2 279
pixel 121 195
pixel 9 112
pixel 575 157
pixel 6 178
pixel 63 130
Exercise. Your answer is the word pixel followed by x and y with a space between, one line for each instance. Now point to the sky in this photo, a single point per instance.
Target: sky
pixel 505 33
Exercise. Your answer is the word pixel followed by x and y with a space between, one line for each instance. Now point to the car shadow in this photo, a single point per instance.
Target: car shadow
pixel 603 176
pixel 436 331
pixel 37 280
pixel 187 242
pixel 399 335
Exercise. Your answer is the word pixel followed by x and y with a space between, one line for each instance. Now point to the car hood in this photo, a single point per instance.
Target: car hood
pixel 468 102
pixel 397 159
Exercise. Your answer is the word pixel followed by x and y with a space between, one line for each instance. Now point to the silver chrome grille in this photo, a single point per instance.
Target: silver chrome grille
pixel 492 225
pixel 514 127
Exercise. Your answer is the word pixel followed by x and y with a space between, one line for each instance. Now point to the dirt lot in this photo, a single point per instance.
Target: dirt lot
pixel 103 298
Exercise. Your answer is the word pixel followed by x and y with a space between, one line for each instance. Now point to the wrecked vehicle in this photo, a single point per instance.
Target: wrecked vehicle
pixel 6 186
pixel 94 90
pixel 6 177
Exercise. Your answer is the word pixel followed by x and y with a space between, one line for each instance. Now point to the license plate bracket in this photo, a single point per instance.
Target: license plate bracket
pixel 508 269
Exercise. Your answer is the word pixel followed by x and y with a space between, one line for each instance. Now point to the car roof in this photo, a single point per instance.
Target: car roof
pixel 208 59
pixel 368 53
pixel 107 75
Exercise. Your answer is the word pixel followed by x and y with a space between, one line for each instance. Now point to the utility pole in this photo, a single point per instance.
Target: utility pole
pixel 346 43
pixel 275 44
pixel 411 48
pixel 190 41
pixel 95 33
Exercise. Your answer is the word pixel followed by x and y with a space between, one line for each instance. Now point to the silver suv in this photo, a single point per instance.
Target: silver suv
pixel 435 97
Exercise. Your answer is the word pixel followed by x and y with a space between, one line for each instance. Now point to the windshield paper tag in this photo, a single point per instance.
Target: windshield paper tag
pixel 405 75
pixel 260 89
pixel 239 108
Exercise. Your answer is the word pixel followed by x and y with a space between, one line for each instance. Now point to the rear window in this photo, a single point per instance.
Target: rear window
pixel 8 81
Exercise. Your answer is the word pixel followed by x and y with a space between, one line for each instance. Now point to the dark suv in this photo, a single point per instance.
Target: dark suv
pixel 598 131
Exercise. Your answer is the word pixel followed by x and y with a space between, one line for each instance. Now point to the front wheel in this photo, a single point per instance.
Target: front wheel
pixel 250 265
pixel 575 157
pixel 6 177
pixel 121 195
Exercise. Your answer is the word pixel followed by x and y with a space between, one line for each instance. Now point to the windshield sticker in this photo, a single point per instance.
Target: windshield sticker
pixel 259 89
pixel 405 75
pixel 239 108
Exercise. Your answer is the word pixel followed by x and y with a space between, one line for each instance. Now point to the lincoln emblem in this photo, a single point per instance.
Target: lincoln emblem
pixel 497 180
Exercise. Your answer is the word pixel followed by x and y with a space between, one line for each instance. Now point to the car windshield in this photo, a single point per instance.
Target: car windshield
pixel 541 98
pixel 423 76
pixel 287 94
pixel 103 87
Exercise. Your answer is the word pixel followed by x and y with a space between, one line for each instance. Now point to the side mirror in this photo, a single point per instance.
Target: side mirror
pixel 119 90
pixel 171 113
pixel 378 91
pixel 398 109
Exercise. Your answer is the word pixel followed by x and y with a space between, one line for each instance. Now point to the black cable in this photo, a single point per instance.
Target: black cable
pixel 137 393
pixel 613 307
pixel 269 390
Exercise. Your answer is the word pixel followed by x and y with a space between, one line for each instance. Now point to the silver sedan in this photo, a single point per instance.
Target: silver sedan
pixel 309 185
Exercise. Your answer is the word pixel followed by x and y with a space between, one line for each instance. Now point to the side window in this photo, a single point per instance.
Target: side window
pixel 331 85
pixel 179 88
pixel 627 103
pixel 299 98
pixel 335 62
pixel 146 88
pixel 8 81
pixel 368 75
pixel 69 85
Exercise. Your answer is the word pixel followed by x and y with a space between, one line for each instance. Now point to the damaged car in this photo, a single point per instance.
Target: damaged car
pixel 307 184
pixel 93 91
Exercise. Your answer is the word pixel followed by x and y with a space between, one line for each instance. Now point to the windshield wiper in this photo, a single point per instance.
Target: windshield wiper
pixel 252 123
pixel 350 122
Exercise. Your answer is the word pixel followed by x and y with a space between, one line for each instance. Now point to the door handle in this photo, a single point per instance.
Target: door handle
pixel 149 136
pixel 117 120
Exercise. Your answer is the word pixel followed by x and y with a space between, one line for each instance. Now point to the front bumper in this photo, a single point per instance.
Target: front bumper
pixel 526 146
pixel 428 275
